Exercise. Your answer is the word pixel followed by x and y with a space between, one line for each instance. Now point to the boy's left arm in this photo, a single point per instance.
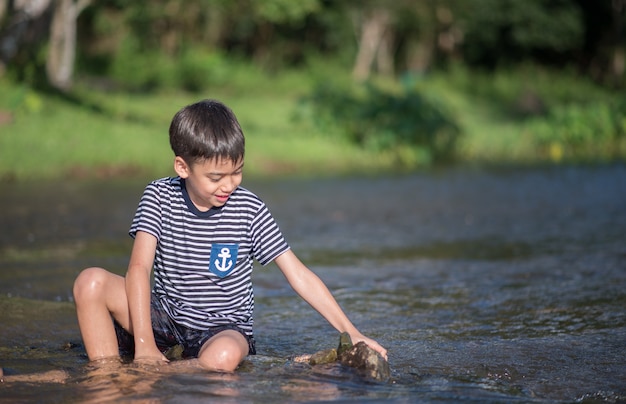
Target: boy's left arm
pixel 313 290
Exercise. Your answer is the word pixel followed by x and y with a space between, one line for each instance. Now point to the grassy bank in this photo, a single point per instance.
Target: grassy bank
pixel 98 133
pixel 109 134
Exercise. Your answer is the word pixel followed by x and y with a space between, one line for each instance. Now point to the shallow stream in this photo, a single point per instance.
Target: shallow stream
pixel 487 286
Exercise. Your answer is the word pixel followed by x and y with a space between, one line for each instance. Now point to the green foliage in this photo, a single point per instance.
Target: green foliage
pixel 343 128
pixel 281 11
pixel 141 43
pixel 198 70
pixel 560 115
pixel 386 121
pixel 507 31
pixel 135 69
pixel 19 100
pixel 526 90
pixel 122 134
pixel 28 67
pixel 195 70
pixel 581 131
pixel 497 126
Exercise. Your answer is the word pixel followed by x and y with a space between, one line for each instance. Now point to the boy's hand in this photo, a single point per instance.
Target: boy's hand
pixel 149 355
pixel 356 338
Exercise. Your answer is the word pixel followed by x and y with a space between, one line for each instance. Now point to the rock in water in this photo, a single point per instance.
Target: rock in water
pixel 367 361
pixel 345 343
pixel 175 352
pixel 322 357
pixel 360 356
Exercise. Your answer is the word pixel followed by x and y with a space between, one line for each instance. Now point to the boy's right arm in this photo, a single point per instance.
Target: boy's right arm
pixel 138 291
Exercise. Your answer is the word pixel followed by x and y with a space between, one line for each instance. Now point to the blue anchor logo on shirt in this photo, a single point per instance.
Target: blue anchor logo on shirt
pixel 223 259
pixel 224 265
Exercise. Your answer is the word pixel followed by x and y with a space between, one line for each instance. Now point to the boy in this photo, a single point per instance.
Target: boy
pixel 199 232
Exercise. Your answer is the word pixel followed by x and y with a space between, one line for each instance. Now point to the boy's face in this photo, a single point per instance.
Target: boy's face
pixel 210 182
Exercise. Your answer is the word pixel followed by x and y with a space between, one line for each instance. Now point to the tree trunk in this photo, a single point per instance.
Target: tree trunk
pixel 18 17
pixel 373 29
pixel 618 64
pixel 384 57
pixel 4 5
pixel 62 52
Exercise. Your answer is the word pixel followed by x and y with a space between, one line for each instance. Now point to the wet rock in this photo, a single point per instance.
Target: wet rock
pixel 322 357
pixel 360 356
pixel 70 345
pixel 345 343
pixel 175 352
pixel 367 361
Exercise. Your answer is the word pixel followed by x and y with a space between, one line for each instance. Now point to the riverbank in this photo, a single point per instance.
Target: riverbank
pixel 99 133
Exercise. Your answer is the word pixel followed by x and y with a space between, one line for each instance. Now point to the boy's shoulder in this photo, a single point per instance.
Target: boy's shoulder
pixel 242 191
pixel 164 184
pixel 245 195
pixel 166 181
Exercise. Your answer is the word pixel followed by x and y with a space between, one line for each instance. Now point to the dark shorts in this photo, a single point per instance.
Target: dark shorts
pixel 168 334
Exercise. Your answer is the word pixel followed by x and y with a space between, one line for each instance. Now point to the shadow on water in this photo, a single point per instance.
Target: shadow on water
pixel 486 286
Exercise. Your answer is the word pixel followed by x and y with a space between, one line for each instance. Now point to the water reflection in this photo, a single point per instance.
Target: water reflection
pixel 114 381
pixel 486 286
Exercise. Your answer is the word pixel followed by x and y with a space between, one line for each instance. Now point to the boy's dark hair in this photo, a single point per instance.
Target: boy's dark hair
pixel 206 130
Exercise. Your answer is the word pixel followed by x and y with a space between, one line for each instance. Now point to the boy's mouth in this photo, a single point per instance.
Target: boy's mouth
pixel 222 198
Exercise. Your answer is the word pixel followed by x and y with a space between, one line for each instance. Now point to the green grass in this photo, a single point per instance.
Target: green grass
pixel 489 137
pixel 110 134
pixel 57 139
pixel 103 134
pixel 498 125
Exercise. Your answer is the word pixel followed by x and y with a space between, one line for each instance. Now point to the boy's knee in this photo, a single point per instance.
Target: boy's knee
pixel 88 283
pixel 222 361
pixel 224 353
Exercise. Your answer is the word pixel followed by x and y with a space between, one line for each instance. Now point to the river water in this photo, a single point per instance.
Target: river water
pixel 485 285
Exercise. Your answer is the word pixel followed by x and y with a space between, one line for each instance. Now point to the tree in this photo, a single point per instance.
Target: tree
pixel 509 31
pixel 374 43
pixel 403 34
pixel 23 23
pixel 23 30
pixel 62 43
pixel 376 36
pixel 619 54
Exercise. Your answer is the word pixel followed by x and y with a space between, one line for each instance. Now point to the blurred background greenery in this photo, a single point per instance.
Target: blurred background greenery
pixel 321 87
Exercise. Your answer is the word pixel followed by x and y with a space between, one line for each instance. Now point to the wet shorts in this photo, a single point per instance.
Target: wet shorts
pixel 168 334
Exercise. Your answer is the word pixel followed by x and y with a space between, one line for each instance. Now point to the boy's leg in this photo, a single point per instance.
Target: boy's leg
pixel 224 351
pixel 98 295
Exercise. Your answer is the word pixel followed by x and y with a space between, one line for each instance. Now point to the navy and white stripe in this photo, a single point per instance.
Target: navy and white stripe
pixel 191 294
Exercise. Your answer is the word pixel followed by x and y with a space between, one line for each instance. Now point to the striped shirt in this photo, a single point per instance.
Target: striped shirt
pixel 204 260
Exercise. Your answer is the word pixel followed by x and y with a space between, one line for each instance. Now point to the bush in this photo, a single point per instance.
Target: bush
pixel 384 120
pixel 510 90
pixel 135 69
pixel 199 69
pixel 194 70
pixel 580 131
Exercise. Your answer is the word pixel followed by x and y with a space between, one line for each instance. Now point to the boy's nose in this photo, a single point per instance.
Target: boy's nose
pixel 229 185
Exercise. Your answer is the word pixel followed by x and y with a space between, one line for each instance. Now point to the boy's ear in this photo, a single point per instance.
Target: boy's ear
pixel 181 167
